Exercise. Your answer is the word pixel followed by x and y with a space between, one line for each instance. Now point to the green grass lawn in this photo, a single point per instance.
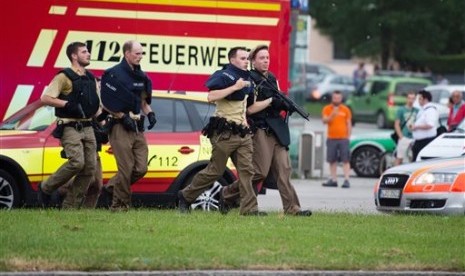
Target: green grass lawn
pixel 89 240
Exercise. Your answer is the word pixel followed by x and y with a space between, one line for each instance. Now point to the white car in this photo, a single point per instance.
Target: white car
pixel 448 144
pixel 440 94
pixel 433 186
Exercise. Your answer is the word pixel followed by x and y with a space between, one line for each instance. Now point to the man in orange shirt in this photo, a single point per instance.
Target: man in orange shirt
pixel 338 117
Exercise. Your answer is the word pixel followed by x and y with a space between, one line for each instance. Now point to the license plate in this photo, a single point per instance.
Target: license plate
pixel 389 194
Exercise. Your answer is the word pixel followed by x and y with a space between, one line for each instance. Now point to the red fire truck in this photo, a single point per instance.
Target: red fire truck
pixel 184 40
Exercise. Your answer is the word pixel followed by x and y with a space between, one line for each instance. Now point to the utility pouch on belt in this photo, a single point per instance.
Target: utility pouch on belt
pixel 101 134
pixel 109 123
pixel 128 123
pixel 219 125
pixel 140 124
pixel 280 130
pixel 58 131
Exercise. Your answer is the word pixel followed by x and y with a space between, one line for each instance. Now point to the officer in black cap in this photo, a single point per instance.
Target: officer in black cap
pixel 271 138
pixel 126 92
pixel 229 134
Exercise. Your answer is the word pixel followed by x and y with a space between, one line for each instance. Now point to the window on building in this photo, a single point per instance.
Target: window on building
pixel 341 50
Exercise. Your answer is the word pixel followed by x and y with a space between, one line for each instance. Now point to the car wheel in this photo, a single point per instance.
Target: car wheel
pixel 9 193
pixel 365 161
pixel 209 199
pixel 381 120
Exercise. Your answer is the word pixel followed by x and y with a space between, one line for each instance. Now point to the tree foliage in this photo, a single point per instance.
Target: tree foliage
pixel 402 30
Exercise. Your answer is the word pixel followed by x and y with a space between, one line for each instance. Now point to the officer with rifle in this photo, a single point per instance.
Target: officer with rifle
pixel 271 136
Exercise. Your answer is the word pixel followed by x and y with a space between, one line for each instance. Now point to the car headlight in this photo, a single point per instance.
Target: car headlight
pixel 435 178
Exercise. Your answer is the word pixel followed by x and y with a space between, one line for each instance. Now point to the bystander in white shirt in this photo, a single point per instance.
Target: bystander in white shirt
pixel 428 116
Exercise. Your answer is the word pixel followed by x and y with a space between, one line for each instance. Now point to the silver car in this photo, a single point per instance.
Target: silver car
pixel 323 86
pixel 434 186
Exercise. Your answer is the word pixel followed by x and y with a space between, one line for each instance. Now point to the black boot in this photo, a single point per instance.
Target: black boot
pixel 184 206
pixel 45 200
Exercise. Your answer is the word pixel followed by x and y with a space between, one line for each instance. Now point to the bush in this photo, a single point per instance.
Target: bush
pixel 449 64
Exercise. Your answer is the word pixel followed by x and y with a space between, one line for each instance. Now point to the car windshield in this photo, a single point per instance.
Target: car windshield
pixel 403 87
pixel 37 119
pixel 315 79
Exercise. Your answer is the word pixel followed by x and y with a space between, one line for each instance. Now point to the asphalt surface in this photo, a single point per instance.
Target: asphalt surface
pixel 356 199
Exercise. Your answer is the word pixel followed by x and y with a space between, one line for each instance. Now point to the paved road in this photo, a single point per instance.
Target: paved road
pixel 357 199
pixel 315 124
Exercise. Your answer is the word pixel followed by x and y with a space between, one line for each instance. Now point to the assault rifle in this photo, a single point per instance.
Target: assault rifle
pixel 293 106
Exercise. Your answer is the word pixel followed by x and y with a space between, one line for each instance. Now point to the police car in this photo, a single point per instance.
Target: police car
pixel 177 151
pixel 448 144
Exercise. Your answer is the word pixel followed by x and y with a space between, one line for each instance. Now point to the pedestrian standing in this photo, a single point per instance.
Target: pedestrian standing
pixel 229 134
pixel 338 117
pixel 74 94
pixel 271 137
pixel 126 93
pixel 405 116
pixel 424 128
pixel 456 110
pixel 359 75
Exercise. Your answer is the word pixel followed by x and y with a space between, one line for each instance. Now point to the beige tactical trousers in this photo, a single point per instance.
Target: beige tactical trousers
pixel 81 149
pixel 93 191
pixel 270 157
pixel 131 154
pixel 225 145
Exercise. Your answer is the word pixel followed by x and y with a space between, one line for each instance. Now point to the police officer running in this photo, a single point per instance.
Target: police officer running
pixel 73 93
pixel 95 187
pixel 271 138
pixel 229 134
pixel 126 91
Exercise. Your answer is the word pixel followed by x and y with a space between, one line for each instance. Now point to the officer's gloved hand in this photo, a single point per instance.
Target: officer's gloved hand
pixel 102 116
pixel 152 119
pixel 279 104
pixel 128 123
pixel 73 108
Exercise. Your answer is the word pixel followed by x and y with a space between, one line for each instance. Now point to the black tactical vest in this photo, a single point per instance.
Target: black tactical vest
pixel 122 88
pixel 263 91
pixel 269 117
pixel 84 92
